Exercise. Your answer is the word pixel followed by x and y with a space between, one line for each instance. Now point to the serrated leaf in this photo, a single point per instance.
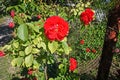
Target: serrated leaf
pixel 16 44
pixel 42 44
pixel 65 47
pixel 21 53
pixel 29 60
pixel 17 61
pixel 6 47
pixel 35 28
pixel 14 62
pixel 35 64
pixel 35 50
pixel 51 79
pixel 61 66
pixel 28 50
pixel 53 46
pixel 22 32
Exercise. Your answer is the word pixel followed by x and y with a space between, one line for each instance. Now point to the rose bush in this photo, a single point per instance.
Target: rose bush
pixel 40 48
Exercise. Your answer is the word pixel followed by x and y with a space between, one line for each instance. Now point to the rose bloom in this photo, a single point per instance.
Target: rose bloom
pixel 30 71
pixel 87 16
pixel 73 64
pixel 38 16
pixel 82 41
pixel 88 50
pixel 93 50
pixel 11 25
pixel 2 54
pixel 12 13
pixel 56 28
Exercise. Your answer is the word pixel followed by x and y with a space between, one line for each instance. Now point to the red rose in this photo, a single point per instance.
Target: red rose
pixel 87 16
pixel 38 16
pixel 30 71
pixel 88 50
pixel 2 54
pixel 56 28
pixel 82 42
pixel 11 25
pixel 12 13
pixel 93 50
pixel 73 64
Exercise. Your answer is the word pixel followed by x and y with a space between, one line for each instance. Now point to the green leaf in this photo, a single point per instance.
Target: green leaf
pixel 61 66
pixel 19 20
pixel 16 44
pixel 6 47
pixel 66 47
pixel 14 62
pixel 42 44
pixel 22 32
pixel 21 53
pixel 17 61
pixel 51 79
pixel 36 40
pixel 53 46
pixel 29 60
pixel 35 28
pixel 35 50
pixel 35 64
pixel 28 50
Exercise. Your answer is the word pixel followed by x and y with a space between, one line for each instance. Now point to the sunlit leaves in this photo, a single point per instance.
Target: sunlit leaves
pixel 17 61
pixel 66 48
pixel 22 32
pixel 28 50
pixel 53 46
pixel 29 60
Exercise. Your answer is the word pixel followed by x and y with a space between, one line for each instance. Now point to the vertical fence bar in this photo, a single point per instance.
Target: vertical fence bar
pixel 110 40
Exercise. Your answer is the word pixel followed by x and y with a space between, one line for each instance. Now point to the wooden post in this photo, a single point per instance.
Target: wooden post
pixel 112 30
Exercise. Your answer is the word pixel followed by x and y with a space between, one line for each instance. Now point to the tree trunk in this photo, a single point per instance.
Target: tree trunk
pixel 112 30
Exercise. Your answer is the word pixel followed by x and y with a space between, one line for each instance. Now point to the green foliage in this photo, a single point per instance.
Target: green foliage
pixel 23 32
pixel 31 49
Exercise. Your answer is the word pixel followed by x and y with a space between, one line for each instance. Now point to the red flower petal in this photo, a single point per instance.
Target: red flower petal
pixel 93 50
pixel 2 54
pixel 82 41
pixel 12 13
pixel 88 50
pixel 56 28
pixel 11 25
pixel 87 16
pixel 73 64
pixel 30 71
pixel 38 16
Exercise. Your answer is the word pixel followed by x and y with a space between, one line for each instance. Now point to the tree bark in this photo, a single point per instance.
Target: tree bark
pixel 110 40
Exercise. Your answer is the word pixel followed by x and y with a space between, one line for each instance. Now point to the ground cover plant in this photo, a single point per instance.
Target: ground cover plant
pixel 51 40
